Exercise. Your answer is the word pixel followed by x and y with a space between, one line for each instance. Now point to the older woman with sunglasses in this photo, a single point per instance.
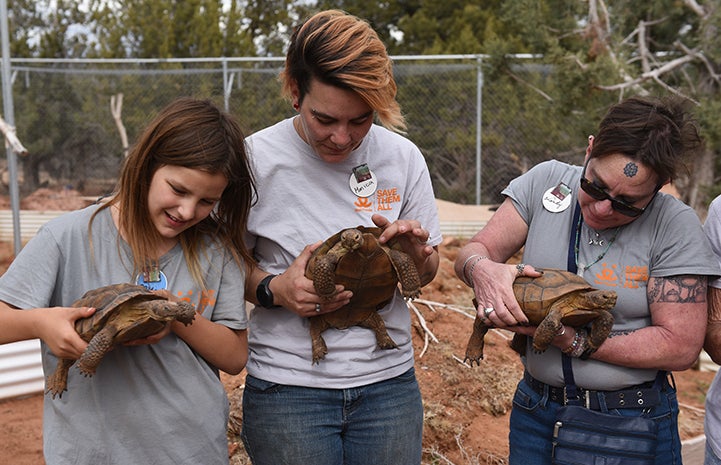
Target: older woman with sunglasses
pixel 608 222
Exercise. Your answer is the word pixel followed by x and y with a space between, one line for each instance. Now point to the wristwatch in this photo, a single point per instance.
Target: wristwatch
pixel 263 293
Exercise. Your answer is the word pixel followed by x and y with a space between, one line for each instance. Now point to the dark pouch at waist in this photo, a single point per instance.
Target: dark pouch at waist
pixel 588 437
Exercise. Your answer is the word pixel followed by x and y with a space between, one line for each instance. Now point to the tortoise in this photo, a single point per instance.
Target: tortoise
pixel 556 298
pixel 124 312
pixel 354 258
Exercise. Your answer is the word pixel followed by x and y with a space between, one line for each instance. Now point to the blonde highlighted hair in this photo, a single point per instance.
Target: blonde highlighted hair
pixel 342 50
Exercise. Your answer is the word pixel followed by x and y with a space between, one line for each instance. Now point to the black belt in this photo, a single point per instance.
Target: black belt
pixel 640 396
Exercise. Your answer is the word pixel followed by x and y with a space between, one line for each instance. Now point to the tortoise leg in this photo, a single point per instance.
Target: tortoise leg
pixel 317 325
pixel 376 323
pixel 58 381
pixel 324 276
pixel 600 329
pixel 407 274
pixel 547 330
pixel 474 348
pixel 98 346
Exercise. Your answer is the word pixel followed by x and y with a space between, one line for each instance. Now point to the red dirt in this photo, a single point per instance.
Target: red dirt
pixel 466 409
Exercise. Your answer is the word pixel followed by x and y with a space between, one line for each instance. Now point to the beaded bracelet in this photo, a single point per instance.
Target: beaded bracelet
pixel 579 345
pixel 468 278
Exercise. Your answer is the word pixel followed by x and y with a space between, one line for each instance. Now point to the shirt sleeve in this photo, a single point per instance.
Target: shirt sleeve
pixel 712 228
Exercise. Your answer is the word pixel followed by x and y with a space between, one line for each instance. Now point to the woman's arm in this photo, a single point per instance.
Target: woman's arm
pixel 481 264
pixel 712 343
pixel 675 337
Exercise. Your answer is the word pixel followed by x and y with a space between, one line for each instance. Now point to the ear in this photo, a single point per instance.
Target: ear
pixel 589 148
pixel 295 95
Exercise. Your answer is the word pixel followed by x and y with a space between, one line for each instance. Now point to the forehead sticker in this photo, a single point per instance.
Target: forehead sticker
pixel 630 169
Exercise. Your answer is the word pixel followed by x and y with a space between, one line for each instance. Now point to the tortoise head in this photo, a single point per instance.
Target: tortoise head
pixel 600 299
pixel 351 239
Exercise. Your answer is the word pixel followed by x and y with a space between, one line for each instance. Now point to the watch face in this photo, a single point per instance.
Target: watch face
pixel 263 293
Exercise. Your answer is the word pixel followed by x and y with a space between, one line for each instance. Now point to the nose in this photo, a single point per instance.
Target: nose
pixel 604 207
pixel 186 209
pixel 341 136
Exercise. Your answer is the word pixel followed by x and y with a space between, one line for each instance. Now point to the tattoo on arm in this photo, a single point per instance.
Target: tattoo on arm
pixel 622 332
pixel 679 289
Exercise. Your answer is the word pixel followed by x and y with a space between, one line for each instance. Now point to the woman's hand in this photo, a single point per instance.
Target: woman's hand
pixel 295 292
pixel 413 240
pixel 493 287
pixel 563 339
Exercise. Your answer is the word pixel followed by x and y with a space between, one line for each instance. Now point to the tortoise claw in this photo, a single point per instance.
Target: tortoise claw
pixel 56 392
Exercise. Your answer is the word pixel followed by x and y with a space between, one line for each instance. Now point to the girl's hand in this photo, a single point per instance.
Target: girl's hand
pixel 56 328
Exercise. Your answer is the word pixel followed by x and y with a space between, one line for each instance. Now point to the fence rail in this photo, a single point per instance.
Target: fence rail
pixel 477 129
pixel 32 220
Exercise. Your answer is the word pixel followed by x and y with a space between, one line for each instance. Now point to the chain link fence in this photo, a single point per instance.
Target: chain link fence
pixel 477 128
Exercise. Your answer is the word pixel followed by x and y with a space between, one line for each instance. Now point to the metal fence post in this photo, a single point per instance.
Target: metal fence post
pixel 479 118
pixel 10 120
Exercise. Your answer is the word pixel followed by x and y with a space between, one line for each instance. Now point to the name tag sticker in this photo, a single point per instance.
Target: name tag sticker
pixel 362 181
pixel 557 199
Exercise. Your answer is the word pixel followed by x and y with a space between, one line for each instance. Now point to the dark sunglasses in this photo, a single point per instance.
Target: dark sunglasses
pixel 595 192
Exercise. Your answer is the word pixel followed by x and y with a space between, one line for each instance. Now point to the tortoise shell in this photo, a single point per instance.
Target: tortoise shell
pixel 355 259
pixel 559 290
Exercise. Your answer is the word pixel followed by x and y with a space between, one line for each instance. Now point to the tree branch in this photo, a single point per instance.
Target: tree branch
pixel 116 109
pixel 695 7
pixel 652 75
pixel 11 139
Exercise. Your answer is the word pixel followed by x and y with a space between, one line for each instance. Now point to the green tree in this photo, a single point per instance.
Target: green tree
pixel 661 47
pixel 157 28
pixel 594 53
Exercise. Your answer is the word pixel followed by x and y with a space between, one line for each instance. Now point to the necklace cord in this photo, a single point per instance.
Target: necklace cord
pixel 583 268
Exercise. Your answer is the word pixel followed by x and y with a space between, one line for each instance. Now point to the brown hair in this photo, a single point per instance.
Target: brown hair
pixel 194 134
pixel 342 50
pixel 659 133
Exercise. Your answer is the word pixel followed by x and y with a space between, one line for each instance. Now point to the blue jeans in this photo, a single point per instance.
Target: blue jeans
pixel 533 417
pixel 377 424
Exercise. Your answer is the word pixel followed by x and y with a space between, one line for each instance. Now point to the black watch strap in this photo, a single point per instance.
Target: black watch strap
pixel 263 293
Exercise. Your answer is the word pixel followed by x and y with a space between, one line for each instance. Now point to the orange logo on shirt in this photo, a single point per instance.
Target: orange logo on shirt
pixel 635 275
pixel 386 197
pixel 384 200
pixel 607 276
pixel 363 203
pixel 207 299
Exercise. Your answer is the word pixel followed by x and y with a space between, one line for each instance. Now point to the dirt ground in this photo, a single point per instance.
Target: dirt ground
pixel 466 409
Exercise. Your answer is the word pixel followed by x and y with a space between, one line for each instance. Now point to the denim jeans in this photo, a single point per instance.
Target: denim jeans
pixel 533 417
pixel 377 424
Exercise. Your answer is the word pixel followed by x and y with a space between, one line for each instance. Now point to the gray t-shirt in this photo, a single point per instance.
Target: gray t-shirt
pixel 303 200
pixel 667 240
pixel 160 403
pixel 712 420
